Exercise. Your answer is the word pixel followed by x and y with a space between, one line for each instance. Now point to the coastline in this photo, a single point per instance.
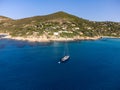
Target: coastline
pixel 52 38
pixel 109 37
pixel 45 39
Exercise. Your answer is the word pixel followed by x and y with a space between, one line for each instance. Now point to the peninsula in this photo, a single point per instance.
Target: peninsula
pixel 58 26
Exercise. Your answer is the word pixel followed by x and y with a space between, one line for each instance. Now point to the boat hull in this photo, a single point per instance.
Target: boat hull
pixel 65 58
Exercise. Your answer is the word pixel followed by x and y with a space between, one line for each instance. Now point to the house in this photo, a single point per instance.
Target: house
pixel 56 33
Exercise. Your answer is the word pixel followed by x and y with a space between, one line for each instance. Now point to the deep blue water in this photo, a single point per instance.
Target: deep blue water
pixel 93 65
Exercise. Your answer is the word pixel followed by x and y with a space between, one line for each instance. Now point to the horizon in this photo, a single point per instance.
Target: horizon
pixel 94 10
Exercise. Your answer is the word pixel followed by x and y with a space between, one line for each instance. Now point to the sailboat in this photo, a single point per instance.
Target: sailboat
pixel 66 54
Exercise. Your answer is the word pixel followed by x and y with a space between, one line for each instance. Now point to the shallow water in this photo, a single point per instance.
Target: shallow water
pixel 93 65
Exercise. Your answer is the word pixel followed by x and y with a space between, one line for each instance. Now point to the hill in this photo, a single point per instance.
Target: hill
pixel 57 25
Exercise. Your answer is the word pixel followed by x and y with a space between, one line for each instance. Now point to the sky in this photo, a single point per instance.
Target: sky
pixel 95 10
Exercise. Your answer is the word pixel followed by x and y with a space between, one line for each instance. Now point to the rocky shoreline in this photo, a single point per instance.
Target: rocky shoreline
pixel 45 39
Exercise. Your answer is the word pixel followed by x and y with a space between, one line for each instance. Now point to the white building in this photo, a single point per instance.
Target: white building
pixel 56 33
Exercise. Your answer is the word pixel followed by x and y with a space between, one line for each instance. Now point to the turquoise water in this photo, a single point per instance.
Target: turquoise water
pixel 93 65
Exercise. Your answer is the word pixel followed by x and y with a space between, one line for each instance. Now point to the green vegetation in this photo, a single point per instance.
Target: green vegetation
pixel 64 24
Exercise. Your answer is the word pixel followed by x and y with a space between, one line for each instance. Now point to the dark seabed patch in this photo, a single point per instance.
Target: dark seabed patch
pixel 2 46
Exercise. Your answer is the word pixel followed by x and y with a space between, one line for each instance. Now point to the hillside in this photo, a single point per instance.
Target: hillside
pixel 4 23
pixel 59 24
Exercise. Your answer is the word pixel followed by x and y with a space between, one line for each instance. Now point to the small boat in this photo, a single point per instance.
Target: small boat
pixel 64 59
pixel 66 55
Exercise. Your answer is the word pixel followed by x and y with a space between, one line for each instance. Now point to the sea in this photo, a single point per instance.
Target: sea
pixel 93 65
